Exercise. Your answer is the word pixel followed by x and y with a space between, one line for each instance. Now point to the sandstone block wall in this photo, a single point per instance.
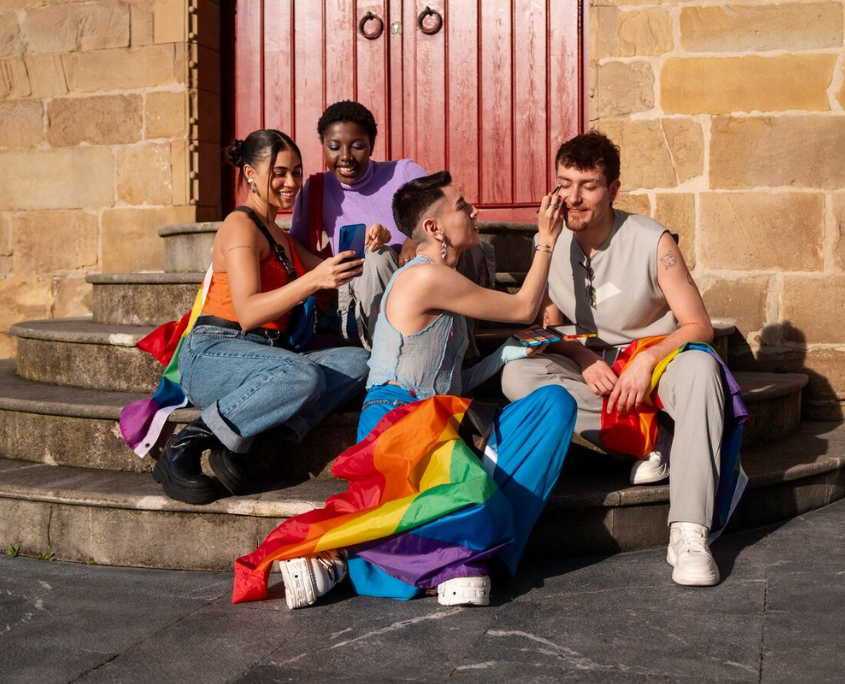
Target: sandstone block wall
pixel 100 142
pixel 730 116
pixel 731 122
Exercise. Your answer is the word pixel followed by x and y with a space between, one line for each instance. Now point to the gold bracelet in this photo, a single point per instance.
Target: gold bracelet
pixel 544 248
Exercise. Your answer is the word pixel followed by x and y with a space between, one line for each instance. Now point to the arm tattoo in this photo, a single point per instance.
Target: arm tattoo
pixel 691 281
pixel 239 247
pixel 668 260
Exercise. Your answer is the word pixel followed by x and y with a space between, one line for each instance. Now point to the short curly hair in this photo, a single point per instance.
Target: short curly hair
pixel 590 150
pixel 347 110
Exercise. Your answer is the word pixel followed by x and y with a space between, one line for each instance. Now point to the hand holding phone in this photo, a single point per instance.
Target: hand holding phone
pixel 352 237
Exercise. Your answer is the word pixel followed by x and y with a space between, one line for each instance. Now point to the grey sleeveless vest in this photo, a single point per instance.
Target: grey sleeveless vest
pixel 629 303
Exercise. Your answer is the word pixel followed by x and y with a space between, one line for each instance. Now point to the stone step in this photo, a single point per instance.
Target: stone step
pixel 142 299
pixel 76 352
pixel 187 246
pixel 122 518
pixel 150 299
pixel 78 427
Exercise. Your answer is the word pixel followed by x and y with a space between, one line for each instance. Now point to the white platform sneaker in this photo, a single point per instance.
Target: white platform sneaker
pixel 690 555
pixel 309 577
pixel 652 468
pixel 464 591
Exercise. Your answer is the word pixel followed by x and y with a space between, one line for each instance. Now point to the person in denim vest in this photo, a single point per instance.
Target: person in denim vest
pixel 418 349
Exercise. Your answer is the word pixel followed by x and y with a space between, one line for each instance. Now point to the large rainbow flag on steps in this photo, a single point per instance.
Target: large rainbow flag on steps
pixel 635 432
pixel 417 481
pixel 142 421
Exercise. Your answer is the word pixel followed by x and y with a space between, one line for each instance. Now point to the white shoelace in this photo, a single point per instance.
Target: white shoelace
pixel 692 541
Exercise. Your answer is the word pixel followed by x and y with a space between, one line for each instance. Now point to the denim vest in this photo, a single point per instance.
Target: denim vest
pixel 424 363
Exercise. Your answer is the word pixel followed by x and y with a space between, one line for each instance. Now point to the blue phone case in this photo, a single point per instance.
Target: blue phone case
pixel 352 237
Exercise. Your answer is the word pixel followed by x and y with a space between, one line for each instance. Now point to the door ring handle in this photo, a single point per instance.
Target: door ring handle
pixel 368 17
pixel 435 27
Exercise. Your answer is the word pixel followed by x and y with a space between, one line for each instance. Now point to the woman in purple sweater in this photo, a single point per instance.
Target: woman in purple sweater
pixel 358 189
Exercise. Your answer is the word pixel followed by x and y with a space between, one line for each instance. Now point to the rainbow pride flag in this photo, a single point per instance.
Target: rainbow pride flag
pixel 416 470
pixel 142 421
pixel 635 432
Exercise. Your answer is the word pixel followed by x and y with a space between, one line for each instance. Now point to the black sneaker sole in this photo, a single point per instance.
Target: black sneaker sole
pixel 233 479
pixel 197 495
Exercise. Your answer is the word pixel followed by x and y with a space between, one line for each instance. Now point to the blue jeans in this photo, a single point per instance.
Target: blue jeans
pixel 245 386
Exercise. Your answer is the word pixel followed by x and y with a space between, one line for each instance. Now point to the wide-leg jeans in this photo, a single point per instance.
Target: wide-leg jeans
pixel 245 386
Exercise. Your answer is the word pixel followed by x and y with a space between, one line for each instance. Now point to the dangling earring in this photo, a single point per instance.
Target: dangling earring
pixel 252 185
pixel 443 249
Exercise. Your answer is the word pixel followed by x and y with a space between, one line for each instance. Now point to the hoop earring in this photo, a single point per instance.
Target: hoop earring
pixel 443 250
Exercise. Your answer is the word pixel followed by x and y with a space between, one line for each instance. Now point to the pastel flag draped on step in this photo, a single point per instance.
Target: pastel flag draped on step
pixel 417 467
pixel 635 432
pixel 141 422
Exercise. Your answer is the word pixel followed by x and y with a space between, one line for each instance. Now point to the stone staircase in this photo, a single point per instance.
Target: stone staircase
pixel 69 484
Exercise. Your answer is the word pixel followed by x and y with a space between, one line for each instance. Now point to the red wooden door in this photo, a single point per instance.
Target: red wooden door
pixel 489 94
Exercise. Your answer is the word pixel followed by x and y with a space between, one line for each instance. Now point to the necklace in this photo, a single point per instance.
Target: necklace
pixel 427 258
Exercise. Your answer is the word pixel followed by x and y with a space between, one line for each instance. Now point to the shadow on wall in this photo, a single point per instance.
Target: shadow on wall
pixel 784 350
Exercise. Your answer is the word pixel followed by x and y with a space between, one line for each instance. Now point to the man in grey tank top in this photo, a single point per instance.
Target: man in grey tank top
pixel 623 276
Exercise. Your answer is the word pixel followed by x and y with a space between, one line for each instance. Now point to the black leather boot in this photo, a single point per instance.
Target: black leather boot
pixel 230 469
pixel 178 469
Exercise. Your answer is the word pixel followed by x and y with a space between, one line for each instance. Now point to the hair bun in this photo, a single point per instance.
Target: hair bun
pixel 235 153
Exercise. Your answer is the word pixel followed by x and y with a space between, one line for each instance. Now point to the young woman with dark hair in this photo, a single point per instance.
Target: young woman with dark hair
pixel 237 364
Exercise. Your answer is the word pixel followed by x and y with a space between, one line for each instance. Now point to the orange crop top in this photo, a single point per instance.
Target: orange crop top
pixel 218 301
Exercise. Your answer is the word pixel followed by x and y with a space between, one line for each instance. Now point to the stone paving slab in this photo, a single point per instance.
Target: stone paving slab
pixel 776 617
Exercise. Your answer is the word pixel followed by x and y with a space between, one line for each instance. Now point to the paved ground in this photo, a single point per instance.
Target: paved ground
pixel 778 616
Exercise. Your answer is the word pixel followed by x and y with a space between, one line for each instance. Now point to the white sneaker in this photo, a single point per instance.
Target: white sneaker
pixel 464 591
pixel 309 577
pixel 652 468
pixel 690 556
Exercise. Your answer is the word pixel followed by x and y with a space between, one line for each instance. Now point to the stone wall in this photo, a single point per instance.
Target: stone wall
pixel 100 143
pixel 731 123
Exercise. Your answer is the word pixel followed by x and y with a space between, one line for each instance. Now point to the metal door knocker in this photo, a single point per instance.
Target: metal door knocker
pixel 379 26
pixel 431 27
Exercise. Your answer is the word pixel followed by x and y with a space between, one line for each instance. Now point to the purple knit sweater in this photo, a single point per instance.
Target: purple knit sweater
pixel 368 201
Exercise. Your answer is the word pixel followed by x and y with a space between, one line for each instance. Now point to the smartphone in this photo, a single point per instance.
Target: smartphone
pixel 535 336
pixel 571 332
pixel 352 237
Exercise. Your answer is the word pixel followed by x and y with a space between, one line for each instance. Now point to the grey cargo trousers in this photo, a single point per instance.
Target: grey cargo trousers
pixel 692 394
